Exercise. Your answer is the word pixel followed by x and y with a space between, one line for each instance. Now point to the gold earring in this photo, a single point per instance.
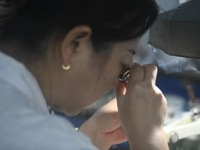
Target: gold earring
pixel 66 67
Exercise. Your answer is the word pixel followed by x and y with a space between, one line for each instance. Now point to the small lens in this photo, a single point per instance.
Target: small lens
pixel 125 73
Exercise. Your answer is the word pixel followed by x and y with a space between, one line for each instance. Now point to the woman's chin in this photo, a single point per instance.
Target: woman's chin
pixel 71 112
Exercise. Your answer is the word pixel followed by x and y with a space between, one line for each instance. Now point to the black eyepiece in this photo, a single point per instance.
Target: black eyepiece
pixel 125 73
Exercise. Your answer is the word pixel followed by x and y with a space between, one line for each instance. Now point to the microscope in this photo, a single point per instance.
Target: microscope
pixel 177 33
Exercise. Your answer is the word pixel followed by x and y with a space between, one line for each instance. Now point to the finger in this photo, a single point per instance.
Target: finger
pixel 150 74
pixel 120 89
pixel 137 74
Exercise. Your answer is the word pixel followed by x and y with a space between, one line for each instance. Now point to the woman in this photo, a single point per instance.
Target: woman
pixel 66 54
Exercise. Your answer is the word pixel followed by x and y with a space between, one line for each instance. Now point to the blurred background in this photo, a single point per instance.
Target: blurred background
pixel 178 78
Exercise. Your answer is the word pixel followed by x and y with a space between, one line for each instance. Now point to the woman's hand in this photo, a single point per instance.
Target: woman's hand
pixel 142 108
pixel 104 127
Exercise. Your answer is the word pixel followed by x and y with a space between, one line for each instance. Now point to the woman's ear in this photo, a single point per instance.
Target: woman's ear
pixel 73 42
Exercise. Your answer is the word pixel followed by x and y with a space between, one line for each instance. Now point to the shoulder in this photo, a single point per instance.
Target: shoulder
pixel 41 133
pixel 24 128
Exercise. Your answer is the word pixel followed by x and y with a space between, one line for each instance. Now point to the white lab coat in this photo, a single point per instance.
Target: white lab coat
pixel 25 122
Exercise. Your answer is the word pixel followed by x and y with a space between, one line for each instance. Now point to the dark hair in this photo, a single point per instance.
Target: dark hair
pixel 31 24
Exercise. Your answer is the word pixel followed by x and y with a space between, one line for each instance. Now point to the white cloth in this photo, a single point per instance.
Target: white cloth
pixel 25 122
